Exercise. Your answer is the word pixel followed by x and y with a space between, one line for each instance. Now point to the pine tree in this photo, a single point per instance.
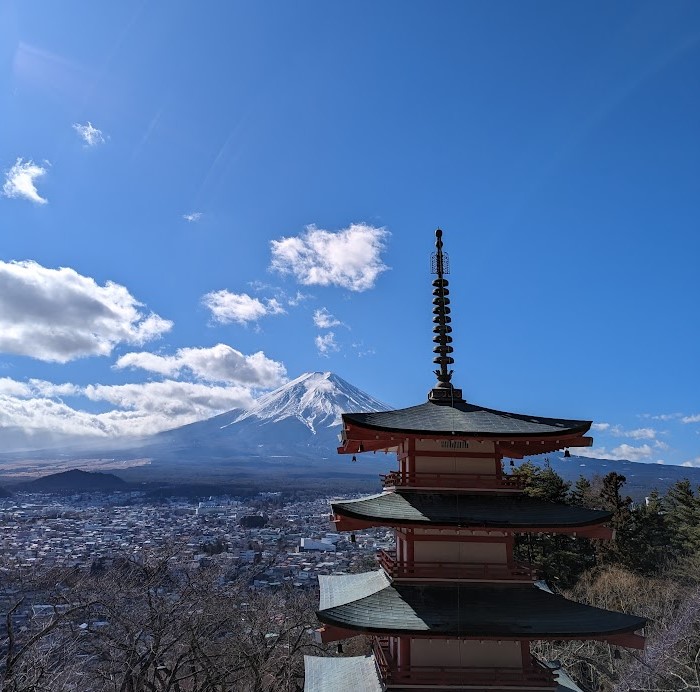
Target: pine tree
pixel 683 518
pixel 619 550
pixel 582 493
pixel 650 536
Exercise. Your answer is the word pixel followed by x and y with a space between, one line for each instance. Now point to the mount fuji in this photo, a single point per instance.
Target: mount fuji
pixel 298 421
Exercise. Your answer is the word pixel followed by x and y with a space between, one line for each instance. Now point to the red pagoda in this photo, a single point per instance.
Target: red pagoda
pixel 450 608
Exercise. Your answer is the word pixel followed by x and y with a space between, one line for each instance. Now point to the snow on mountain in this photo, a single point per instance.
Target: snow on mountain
pixel 316 399
pixel 299 420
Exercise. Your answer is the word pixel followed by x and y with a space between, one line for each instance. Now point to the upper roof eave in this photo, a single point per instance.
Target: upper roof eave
pixel 465 420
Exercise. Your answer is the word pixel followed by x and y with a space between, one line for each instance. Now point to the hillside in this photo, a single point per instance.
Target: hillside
pixel 75 481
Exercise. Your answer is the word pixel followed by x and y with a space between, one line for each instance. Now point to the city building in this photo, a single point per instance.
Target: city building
pixel 450 608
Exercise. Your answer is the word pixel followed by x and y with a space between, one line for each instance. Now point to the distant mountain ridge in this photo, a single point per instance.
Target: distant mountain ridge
pixel 292 433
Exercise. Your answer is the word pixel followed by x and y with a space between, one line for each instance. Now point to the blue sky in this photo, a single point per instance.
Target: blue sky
pixel 199 203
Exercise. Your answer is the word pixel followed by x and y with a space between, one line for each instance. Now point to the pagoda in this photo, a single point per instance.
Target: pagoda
pixel 450 608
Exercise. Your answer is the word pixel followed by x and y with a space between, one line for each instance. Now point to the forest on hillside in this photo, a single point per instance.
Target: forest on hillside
pixel 651 568
pixel 159 626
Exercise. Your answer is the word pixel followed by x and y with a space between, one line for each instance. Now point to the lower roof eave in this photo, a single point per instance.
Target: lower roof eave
pixel 330 632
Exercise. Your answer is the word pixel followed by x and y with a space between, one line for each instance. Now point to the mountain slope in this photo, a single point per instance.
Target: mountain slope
pixel 299 420
pixel 315 399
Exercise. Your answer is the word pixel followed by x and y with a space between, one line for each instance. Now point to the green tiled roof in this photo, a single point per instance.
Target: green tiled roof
pixel 460 418
pixel 472 610
pixel 483 509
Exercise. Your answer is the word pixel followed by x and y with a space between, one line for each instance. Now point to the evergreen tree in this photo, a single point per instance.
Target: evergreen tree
pixel 650 536
pixel 683 518
pixel 582 493
pixel 619 550
pixel 560 559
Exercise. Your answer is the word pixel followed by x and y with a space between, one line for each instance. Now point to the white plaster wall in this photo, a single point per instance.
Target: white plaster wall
pixel 449 551
pixel 485 465
pixel 475 654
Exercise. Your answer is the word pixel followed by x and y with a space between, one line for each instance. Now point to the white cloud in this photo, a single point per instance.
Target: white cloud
pixel 695 463
pixel 220 363
pixel 29 419
pixel 229 307
pixel 167 404
pixel 59 315
pixel 52 390
pixel 623 452
pixel 695 418
pixel 324 320
pixel 34 387
pixel 32 414
pixel 326 344
pixel 19 181
pixel 10 387
pixel 90 134
pixel 666 416
pixel 297 299
pixel 637 434
pixel 193 217
pixel 362 350
pixel 349 258
pixel 619 431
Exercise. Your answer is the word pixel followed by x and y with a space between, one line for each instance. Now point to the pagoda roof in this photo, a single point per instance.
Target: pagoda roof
pixel 464 419
pixel 464 610
pixel 510 510
pixel 341 674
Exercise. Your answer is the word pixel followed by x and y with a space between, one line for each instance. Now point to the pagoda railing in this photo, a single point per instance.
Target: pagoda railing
pixel 518 571
pixel 391 673
pixel 449 481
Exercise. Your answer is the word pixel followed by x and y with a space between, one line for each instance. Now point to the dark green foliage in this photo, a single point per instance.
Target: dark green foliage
pixel 559 558
pixel 582 493
pixel 682 509
pixel 647 535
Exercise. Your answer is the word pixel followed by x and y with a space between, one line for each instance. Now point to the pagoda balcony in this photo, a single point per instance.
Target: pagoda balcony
pixel 535 675
pixel 516 572
pixel 452 481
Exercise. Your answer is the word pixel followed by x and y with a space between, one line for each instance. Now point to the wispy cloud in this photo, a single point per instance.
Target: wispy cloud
pixel 193 217
pixel 636 434
pixel 349 258
pixel 692 462
pixel 326 344
pixel 695 418
pixel 362 350
pixel 91 135
pixel 619 431
pixel 324 320
pixel 19 181
pixel 220 363
pixel 623 452
pixel 227 307
pixel 59 315
pixel 297 299
pixel 661 416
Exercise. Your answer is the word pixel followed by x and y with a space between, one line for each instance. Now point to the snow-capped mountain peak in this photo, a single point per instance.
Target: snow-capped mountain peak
pixel 316 399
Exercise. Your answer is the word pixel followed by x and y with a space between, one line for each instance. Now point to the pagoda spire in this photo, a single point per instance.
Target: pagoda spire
pixel 444 390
